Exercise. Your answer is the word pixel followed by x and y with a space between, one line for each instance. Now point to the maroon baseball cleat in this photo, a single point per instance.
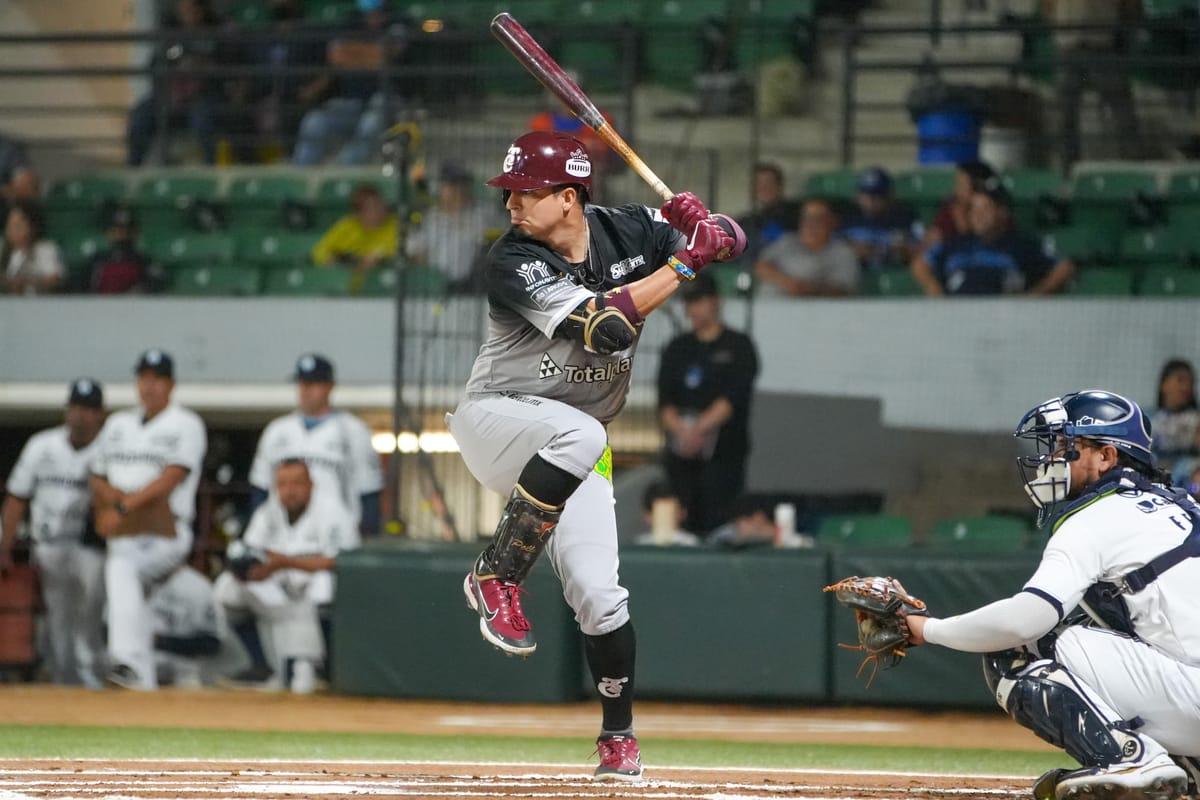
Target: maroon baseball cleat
pixel 501 620
pixel 620 758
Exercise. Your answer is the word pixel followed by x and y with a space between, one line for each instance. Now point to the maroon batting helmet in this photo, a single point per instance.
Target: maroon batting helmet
pixel 544 158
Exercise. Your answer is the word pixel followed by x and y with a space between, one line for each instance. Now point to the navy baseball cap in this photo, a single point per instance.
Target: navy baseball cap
pixel 86 392
pixel 313 368
pixel 156 361
pixel 874 180
pixel 994 188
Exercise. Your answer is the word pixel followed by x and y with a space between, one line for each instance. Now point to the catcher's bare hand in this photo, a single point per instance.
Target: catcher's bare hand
pixel 916 628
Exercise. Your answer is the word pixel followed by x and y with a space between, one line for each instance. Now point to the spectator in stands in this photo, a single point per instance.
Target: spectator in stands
pixel 453 235
pixel 281 573
pixel 18 181
pixel 354 116
pixel 880 229
pixel 993 258
pixel 50 482
pixel 752 525
pixel 952 217
pixel 1091 59
pixel 664 513
pixel 809 262
pixel 189 97
pixel 773 214
pixel 1176 420
pixel 32 263
pixel 187 629
pixel 262 112
pixel 362 239
pixel 123 268
pixel 705 384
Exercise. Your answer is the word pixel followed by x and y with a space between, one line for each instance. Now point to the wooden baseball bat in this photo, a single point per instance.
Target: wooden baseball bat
pixel 541 66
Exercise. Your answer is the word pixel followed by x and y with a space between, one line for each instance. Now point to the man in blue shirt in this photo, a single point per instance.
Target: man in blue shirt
pixel 880 229
pixel 992 258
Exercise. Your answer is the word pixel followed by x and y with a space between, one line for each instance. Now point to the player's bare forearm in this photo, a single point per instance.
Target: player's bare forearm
pixel 652 291
pixel 923 274
pixel 104 494
pixel 159 488
pixel 305 563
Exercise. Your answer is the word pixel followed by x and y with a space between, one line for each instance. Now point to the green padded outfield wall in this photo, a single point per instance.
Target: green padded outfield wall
pixel 950 583
pixel 401 628
pixel 721 625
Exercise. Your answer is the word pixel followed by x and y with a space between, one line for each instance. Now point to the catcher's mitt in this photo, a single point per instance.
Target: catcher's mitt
pixel 881 609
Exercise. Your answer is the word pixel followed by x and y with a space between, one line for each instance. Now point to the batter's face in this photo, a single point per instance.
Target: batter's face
pixel 293 486
pixel 539 211
pixel 314 397
pixel 154 391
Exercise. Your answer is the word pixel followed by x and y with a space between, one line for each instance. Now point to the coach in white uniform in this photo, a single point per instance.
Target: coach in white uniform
pixel 1099 654
pixel 50 481
pixel 336 446
pixel 144 455
pixel 296 535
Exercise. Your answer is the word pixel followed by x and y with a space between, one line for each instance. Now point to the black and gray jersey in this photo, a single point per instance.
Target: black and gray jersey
pixel 532 290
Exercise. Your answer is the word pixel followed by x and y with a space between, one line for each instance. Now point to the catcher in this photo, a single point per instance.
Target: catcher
pixel 1099 653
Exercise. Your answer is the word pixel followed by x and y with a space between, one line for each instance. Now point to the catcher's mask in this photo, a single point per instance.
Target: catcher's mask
pixel 1053 427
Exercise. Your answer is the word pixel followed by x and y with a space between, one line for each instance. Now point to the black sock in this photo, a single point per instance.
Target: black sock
pixel 247 634
pixel 610 658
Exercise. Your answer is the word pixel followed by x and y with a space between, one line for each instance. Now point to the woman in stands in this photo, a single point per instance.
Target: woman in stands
pixel 32 263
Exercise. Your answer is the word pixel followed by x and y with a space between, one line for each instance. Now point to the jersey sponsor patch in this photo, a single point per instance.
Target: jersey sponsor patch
pixel 545 296
pixel 601 374
pixel 548 369
pixel 626 266
pixel 534 273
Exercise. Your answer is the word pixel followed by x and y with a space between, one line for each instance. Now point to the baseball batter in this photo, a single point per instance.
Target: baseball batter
pixel 50 481
pixel 296 534
pixel 569 286
pixel 145 455
pixel 1118 690
pixel 335 444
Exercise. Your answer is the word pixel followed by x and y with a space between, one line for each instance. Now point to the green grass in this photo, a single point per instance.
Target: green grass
pixel 62 741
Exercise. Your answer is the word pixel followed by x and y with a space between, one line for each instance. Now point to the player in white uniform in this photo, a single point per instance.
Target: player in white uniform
pixel 569 285
pixel 187 629
pixel 293 540
pixel 1099 653
pixel 143 455
pixel 336 445
pixel 50 480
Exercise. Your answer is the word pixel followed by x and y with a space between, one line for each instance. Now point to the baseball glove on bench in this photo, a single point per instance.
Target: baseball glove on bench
pixel 881 608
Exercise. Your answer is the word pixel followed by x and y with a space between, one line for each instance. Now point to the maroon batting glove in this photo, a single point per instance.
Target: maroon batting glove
pixel 708 241
pixel 684 211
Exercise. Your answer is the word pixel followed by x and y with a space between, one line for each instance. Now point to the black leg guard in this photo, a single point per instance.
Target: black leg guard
pixel 520 538
pixel 1044 697
pixel 611 659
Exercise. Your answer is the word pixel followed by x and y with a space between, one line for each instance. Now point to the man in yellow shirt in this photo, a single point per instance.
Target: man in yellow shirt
pixel 361 239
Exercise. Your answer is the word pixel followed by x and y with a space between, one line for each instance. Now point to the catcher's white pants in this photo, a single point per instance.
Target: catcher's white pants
pixel 497 435
pixel 72 578
pixel 133 565
pixel 286 603
pixel 1136 680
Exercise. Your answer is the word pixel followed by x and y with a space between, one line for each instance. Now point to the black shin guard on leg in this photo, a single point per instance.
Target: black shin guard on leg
pixel 529 520
pixel 611 659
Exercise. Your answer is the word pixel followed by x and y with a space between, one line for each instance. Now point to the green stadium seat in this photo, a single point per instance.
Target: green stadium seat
pixel 309 281
pixel 988 533
pixel 894 282
pixel 78 248
pixel 864 530
pixel 163 200
pixel 1082 243
pixel 334 191
pixel 63 223
pixel 1170 282
pixel 606 12
pixel 216 281
pixel 1101 198
pixel 923 187
pixel 732 280
pixel 86 192
pixel 1151 245
pixel 275 249
pixel 419 281
pixel 189 249
pixel 251 13
pixel 1183 188
pixel 1027 185
pixel 839 184
pixel 257 200
pixel 1104 281
pixel 329 12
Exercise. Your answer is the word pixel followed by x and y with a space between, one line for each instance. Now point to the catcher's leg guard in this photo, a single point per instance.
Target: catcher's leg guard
pixel 1046 698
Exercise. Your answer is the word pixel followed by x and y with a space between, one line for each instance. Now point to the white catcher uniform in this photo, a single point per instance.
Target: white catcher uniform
pixel 131 454
pixel 288 599
pixel 337 450
pixel 53 476
pixel 184 607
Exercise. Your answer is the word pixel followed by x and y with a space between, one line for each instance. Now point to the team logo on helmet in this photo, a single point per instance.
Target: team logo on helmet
pixel 579 167
pixel 510 159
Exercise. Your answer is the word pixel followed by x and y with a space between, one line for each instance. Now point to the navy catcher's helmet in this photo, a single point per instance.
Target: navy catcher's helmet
pixel 1054 426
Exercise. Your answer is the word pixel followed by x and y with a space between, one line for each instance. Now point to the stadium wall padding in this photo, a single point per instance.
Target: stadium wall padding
pixel 714 626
